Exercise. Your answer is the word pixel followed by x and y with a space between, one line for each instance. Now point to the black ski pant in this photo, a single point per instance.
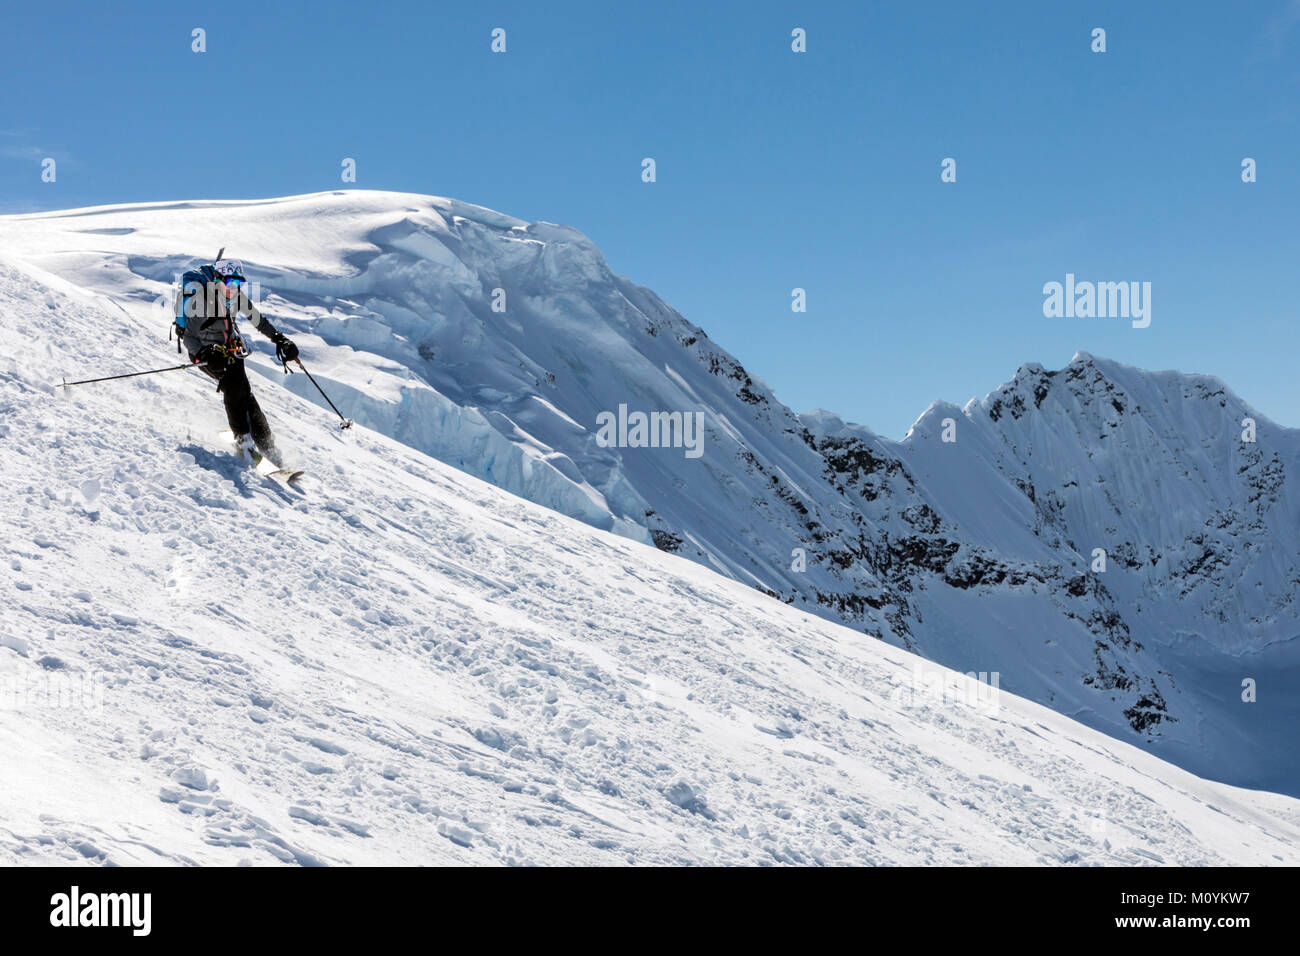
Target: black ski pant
pixel 242 411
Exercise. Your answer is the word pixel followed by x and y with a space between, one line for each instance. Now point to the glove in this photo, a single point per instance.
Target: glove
pixel 211 356
pixel 285 350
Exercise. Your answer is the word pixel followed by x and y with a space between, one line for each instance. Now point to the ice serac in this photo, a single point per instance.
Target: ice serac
pixel 494 345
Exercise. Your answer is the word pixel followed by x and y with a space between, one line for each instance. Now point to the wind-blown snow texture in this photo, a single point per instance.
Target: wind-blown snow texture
pixel 409 665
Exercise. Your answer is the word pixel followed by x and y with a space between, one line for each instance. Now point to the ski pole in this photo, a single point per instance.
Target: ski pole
pixel 112 378
pixel 347 422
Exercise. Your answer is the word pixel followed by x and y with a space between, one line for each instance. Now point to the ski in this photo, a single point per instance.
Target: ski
pixel 262 465
pixel 287 475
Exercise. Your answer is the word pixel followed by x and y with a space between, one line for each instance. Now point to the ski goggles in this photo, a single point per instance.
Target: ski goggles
pixel 233 282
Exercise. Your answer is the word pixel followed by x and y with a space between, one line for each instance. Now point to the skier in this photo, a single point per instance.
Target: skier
pixel 209 301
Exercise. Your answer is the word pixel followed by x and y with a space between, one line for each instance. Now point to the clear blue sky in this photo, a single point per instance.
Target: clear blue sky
pixel 775 169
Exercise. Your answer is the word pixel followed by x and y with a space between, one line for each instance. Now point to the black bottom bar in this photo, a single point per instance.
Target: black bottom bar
pixel 616 909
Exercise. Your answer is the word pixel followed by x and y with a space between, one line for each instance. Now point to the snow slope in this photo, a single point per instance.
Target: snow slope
pixel 407 665
pixel 975 553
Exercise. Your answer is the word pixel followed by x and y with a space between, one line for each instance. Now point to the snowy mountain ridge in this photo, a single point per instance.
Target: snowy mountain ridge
pixel 406 665
pixel 977 552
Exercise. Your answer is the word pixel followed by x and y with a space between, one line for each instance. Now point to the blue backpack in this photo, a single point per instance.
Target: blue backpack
pixel 190 300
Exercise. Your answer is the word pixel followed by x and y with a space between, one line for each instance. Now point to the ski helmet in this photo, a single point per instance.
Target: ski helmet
pixel 228 269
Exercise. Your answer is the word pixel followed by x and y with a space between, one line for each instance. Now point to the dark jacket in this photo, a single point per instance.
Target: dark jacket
pixel 207 317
